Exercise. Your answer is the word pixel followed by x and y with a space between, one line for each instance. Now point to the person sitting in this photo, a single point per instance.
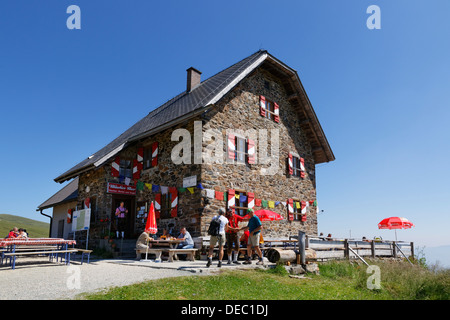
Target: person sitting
pixel 188 242
pixel 13 233
pixel 143 242
pixel 22 234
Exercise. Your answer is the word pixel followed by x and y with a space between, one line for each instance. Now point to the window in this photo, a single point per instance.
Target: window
pixel 296 166
pixel 166 205
pixel 241 150
pixel 149 157
pixel 269 109
pixel 241 205
pixel 297 212
pixel 125 169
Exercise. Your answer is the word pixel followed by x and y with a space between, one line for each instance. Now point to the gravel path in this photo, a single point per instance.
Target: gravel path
pixel 44 280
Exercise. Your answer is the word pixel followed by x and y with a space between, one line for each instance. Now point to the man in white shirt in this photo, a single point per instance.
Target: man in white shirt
pixel 219 238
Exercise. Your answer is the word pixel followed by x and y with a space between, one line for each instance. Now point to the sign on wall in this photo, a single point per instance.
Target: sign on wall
pixel 189 181
pixel 117 188
pixel 81 220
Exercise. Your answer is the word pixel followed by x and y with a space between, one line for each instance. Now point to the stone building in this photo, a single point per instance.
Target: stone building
pixel 246 137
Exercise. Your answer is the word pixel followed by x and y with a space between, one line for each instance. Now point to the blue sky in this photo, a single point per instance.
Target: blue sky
pixel 380 95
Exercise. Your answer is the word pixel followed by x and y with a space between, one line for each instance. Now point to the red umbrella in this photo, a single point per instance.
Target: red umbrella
pixel 151 227
pixel 395 223
pixel 266 215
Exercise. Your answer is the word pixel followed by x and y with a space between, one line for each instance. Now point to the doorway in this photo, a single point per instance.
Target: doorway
pixel 130 217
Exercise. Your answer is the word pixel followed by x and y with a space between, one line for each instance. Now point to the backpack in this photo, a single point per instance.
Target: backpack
pixel 214 226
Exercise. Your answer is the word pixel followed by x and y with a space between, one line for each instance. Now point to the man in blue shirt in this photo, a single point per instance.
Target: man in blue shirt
pixel 188 242
pixel 254 226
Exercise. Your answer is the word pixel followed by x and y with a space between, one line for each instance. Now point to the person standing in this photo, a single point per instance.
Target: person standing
pixel 254 227
pixel 121 213
pixel 219 238
pixel 232 235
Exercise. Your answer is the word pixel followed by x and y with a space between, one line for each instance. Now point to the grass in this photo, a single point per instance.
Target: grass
pixel 337 281
pixel 35 229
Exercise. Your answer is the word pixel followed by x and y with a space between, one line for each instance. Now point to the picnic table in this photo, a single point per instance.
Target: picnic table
pixel 36 246
pixel 167 246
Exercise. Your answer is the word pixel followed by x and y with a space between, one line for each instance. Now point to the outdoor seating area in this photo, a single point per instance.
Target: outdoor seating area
pixel 55 248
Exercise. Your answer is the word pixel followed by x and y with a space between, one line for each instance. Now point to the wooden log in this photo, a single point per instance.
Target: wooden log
pixel 279 255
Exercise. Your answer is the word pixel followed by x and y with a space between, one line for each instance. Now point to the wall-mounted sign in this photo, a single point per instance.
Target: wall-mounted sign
pixel 189 181
pixel 81 220
pixel 117 188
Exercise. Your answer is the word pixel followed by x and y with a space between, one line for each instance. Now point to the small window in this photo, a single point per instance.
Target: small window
pixel 297 212
pixel 126 169
pixel 166 205
pixel 296 166
pixel 241 203
pixel 241 150
pixel 148 158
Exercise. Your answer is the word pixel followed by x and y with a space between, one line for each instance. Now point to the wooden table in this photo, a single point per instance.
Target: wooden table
pixel 172 244
pixel 54 246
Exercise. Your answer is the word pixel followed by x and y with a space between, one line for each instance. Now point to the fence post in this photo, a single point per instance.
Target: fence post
pixel 394 251
pixel 302 247
pixel 413 257
pixel 372 248
pixel 346 250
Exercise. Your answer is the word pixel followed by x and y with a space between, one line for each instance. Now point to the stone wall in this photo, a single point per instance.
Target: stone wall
pixel 239 109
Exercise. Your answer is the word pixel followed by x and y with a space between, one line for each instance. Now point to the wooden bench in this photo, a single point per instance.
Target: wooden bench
pixel 13 255
pixel 85 252
pixel 189 252
pixel 156 252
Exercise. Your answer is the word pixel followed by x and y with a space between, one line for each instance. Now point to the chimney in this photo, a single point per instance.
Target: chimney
pixel 193 78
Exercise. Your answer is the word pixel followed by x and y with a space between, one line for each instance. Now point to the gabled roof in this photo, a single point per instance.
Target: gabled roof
pixel 189 104
pixel 66 194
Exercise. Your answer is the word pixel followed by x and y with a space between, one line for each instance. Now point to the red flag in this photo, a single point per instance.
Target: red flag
pixel 151 227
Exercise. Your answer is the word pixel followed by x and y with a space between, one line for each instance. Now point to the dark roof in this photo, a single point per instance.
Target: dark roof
pixel 186 104
pixel 66 194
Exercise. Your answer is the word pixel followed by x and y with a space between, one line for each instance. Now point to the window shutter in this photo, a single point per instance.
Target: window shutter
pixel 140 155
pixel 69 216
pixel 251 151
pixel 262 106
pixel 157 205
pixel 250 200
pixel 154 154
pixel 231 199
pixel 302 167
pixel 290 165
pixel 290 203
pixel 136 171
pixel 304 205
pixel 174 204
pixel 87 203
pixel 231 146
pixel 115 167
pixel 277 112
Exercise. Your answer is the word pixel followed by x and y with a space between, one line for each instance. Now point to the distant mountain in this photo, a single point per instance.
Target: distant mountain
pixel 35 229
pixel 440 255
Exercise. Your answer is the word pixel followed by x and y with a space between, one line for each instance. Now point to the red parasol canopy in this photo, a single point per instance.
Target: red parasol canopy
pixel 395 223
pixel 266 215
pixel 151 227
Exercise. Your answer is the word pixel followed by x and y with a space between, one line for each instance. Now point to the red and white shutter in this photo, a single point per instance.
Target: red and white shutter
pixel 304 205
pixel 262 106
pixel 69 216
pixel 115 167
pixel 251 151
pixel 174 204
pixel 290 205
pixel 140 155
pixel 277 112
pixel 87 203
pixel 136 170
pixel 290 164
pixel 231 201
pixel 302 167
pixel 250 200
pixel 157 205
pixel 154 154
pixel 231 146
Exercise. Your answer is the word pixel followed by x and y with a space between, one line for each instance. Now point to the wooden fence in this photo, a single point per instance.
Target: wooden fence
pixel 327 249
